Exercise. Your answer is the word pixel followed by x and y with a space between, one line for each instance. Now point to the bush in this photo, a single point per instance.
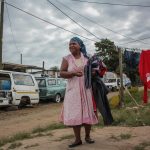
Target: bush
pixel 134 90
pixel 114 101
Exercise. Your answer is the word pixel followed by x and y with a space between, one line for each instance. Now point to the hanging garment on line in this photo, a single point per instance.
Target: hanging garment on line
pixel 144 70
pixel 100 92
pixel 131 58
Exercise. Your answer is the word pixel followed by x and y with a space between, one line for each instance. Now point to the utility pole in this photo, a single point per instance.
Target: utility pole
pixel 21 58
pixel 43 67
pixel 121 79
pixel 1 32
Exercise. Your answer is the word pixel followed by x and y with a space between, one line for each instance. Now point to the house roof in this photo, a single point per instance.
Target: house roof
pixel 18 67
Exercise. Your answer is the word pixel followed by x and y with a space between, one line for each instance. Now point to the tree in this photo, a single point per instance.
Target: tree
pixel 108 53
pixel 55 68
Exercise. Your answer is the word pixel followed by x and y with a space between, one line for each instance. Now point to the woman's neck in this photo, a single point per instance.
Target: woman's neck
pixel 77 56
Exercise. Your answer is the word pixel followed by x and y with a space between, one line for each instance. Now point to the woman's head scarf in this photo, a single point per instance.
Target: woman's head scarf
pixel 82 46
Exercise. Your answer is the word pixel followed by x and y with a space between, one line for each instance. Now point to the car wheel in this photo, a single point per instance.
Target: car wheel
pixel 57 98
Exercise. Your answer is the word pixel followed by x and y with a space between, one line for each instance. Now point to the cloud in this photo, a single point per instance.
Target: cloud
pixel 39 41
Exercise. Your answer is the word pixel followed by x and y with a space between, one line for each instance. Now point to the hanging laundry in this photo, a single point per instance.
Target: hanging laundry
pixel 131 58
pixel 144 70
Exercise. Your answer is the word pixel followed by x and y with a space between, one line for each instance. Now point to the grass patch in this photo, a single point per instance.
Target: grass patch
pixel 66 137
pixel 131 115
pixel 125 136
pixel 114 138
pixel 48 128
pixel 15 145
pixel 39 130
pixel 18 136
pixel 29 146
pixel 142 146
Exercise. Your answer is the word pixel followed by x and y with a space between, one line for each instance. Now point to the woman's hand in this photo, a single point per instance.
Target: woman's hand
pixel 77 73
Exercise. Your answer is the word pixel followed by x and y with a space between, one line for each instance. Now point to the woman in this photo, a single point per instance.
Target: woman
pixel 78 107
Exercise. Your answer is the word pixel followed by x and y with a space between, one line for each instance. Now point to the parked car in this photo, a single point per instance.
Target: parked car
pixel 18 88
pixel 51 88
pixel 127 83
pixel 112 84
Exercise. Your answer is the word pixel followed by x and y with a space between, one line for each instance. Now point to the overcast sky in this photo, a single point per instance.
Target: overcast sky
pixel 39 41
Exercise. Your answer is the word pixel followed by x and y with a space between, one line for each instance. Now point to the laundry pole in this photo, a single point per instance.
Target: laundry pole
pixel 121 88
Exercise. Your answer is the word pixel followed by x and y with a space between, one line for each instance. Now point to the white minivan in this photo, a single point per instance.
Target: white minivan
pixel 17 88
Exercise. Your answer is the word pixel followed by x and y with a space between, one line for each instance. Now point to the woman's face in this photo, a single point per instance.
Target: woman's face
pixel 74 47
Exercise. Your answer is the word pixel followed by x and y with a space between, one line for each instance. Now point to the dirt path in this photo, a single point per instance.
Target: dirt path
pixel 25 120
pixel 107 138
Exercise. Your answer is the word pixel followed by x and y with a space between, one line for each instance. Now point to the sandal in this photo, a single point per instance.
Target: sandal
pixel 89 141
pixel 75 144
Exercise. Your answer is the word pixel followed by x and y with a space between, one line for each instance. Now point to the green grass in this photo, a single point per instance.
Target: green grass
pixel 129 115
pixel 48 128
pixel 65 137
pixel 114 138
pixel 142 146
pixel 125 136
pixel 14 145
pixel 29 146
pixel 39 131
pixel 18 136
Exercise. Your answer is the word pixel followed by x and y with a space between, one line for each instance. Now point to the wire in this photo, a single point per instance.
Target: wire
pixel 100 24
pixel 11 28
pixel 47 21
pixel 117 4
pixel 51 23
pixel 74 20
pixel 135 41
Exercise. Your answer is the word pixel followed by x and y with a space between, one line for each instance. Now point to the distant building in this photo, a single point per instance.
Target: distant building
pixel 20 67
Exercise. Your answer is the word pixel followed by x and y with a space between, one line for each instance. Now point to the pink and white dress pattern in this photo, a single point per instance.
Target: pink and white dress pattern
pixel 78 106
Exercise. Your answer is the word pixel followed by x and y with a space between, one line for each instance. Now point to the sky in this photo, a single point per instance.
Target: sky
pixel 40 41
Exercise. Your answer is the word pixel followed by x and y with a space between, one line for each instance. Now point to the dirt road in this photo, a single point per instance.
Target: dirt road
pixel 107 138
pixel 25 120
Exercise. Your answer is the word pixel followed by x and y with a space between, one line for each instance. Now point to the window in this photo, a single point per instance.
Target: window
pixel 51 82
pixel 41 82
pixel 20 79
pixel 58 81
pixel 5 82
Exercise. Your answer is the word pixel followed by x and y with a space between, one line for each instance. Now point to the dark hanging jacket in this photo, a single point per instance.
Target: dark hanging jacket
pixel 99 89
pixel 100 92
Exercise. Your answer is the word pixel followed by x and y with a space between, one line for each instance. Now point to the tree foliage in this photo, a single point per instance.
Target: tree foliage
pixel 55 68
pixel 106 49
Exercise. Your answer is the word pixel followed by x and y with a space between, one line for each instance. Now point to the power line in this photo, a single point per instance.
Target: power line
pixel 73 20
pixel 11 28
pixel 47 21
pixel 135 41
pixel 116 4
pixel 52 23
pixel 102 26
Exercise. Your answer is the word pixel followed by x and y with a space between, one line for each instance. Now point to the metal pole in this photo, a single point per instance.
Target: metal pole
pixel 121 79
pixel 43 68
pixel 1 33
pixel 21 58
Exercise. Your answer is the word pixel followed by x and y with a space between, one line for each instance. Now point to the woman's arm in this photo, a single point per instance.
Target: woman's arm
pixel 64 71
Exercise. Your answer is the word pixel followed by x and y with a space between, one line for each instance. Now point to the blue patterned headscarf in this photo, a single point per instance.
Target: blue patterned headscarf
pixel 82 46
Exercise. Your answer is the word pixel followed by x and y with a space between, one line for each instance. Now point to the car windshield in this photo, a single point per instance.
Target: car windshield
pixel 20 79
pixel 110 80
pixel 41 82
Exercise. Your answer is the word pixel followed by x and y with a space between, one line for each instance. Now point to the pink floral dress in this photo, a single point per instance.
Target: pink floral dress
pixel 78 106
